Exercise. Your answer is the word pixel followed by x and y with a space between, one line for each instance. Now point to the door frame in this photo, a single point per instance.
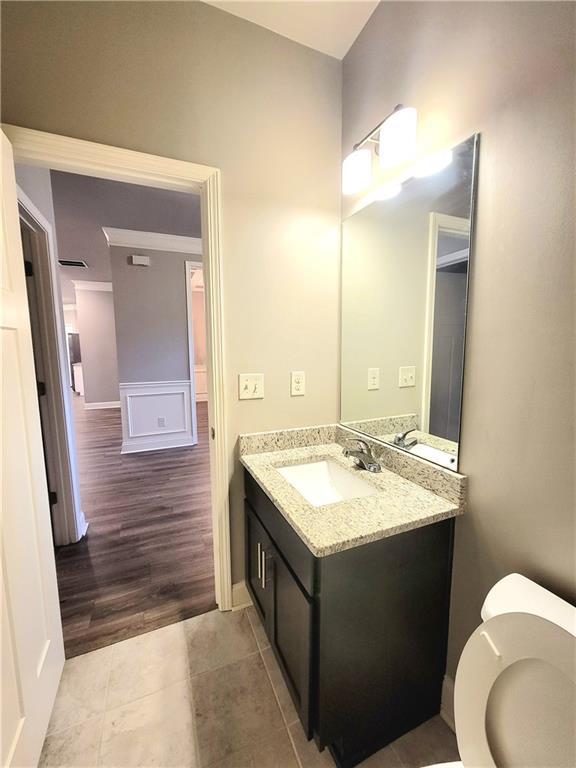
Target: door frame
pixel 438 222
pixel 87 158
pixel 189 267
pixel 69 523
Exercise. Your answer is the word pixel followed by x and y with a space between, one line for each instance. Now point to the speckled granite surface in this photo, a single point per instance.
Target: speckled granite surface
pixel 442 481
pixel 281 439
pixel 385 425
pixel 400 505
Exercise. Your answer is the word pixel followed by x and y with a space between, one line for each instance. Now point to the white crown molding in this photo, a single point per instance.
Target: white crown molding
pixel 153 241
pixel 92 285
pixel 69 306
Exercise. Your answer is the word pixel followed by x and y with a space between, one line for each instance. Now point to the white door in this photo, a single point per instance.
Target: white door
pixel 32 647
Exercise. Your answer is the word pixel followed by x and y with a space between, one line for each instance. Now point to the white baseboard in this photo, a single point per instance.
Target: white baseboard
pixel 240 596
pixel 156 415
pixel 447 705
pixel 201 397
pixel 98 406
pixel 201 383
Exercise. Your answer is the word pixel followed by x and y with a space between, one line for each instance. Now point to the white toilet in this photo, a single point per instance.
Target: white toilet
pixel 515 691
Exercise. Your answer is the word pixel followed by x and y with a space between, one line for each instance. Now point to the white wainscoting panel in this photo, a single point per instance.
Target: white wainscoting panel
pixel 156 415
pixel 201 381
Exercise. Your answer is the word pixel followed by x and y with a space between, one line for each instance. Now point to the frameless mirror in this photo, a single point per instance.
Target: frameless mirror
pixel 405 274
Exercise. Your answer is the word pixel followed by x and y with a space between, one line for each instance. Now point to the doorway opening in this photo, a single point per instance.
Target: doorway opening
pixel 135 378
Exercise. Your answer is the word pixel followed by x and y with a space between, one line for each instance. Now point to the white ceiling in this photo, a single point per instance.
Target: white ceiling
pixel 329 26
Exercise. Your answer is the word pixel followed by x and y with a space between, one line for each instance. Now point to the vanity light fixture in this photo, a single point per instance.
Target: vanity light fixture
pixel 432 164
pixel 356 171
pixel 395 142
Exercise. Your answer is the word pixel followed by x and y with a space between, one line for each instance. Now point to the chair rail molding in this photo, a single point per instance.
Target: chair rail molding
pixel 62 153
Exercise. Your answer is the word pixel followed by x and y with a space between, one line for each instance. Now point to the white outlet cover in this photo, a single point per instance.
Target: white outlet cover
pixel 373 378
pixel 250 386
pixel 297 383
pixel 407 376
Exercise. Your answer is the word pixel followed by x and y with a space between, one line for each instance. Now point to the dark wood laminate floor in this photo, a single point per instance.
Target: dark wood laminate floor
pixel 147 559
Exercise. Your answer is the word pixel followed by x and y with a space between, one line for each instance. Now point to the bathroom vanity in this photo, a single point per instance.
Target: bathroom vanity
pixel 354 598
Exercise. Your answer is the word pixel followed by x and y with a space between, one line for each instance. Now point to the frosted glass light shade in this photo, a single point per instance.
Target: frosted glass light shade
pixel 397 142
pixel 432 164
pixel 356 171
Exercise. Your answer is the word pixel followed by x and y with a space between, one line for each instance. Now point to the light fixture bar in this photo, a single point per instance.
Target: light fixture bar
pixel 370 136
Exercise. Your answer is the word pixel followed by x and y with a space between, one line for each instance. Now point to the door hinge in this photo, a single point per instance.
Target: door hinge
pixel 212 433
pixel 41 386
pixel 52 498
pixel 28 269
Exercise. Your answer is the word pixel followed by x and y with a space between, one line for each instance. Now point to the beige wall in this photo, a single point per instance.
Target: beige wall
pixel 506 70
pixel 95 313
pixel 188 81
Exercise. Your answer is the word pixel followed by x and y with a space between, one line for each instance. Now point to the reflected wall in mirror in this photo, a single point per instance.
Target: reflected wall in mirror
pixel 405 273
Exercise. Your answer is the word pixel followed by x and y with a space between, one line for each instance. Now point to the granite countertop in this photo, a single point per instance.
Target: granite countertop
pixel 400 506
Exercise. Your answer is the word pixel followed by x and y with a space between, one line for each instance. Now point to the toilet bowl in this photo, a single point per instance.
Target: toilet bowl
pixel 515 688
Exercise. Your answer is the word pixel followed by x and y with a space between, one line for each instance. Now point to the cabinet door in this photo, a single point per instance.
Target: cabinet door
pixel 291 635
pixel 258 575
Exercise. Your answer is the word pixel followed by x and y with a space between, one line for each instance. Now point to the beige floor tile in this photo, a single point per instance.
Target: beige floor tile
pixel 234 708
pixel 432 742
pixel 307 751
pixel 284 699
pixel 384 758
pixel 274 753
pixel 82 691
pixel 218 638
pixel 147 663
pixel 157 730
pixel 258 628
pixel 75 747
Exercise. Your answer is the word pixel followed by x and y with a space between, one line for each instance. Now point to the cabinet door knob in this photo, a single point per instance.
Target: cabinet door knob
pixel 263 569
pixel 259 549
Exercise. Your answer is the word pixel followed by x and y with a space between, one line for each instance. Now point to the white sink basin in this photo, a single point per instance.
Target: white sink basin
pixel 326 482
pixel 434 454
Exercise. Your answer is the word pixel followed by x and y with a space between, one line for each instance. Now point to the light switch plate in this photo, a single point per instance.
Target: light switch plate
pixel 373 378
pixel 250 386
pixel 297 383
pixel 407 376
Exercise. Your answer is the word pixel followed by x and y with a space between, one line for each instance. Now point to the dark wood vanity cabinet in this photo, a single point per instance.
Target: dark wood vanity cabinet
pixel 360 635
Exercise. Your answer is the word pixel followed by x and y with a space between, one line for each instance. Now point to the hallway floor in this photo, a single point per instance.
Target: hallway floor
pixel 147 560
pixel 203 692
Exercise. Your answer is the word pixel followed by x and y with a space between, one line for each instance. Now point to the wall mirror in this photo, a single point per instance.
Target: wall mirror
pixel 405 275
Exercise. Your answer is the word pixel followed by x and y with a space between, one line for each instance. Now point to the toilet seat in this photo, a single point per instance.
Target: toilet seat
pixel 506 656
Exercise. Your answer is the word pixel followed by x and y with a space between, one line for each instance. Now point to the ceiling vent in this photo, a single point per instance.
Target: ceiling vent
pixel 72 263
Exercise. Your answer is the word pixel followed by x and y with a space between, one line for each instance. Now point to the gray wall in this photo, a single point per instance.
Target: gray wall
pixel 35 182
pixel 95 312
pixel 188 81
pixel 151 316
pixel 83 205
pixel 507 70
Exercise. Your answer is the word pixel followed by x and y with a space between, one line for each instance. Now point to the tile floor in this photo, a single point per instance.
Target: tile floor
pixel 204 692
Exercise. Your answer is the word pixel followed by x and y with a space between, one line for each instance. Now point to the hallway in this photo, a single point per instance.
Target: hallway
pixel 147 559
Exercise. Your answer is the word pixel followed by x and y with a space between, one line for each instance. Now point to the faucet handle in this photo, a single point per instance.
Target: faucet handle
pixel 358 440
pixel 400 437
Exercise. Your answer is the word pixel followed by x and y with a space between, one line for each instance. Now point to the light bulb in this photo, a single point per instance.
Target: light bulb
pixel 432 164
pixel 356 171
pixel 397 144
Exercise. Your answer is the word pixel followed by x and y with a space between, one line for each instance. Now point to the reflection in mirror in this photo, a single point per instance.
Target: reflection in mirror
pixel 405 266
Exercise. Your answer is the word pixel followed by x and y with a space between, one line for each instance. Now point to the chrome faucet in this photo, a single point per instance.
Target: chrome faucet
pixel 400 439
pixel 363 456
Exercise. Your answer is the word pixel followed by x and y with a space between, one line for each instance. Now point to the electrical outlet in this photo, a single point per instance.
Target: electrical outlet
pixel 407 376
pixel 161 421
pixel 373 378
pixel 297 383
pixel 250 386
